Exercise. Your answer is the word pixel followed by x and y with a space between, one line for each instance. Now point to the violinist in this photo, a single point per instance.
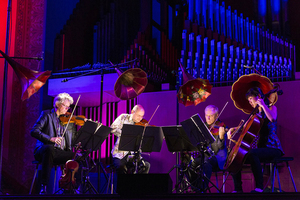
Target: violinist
pixel 267 146
pixel 121 159
pixel 51 147
pixel 216 160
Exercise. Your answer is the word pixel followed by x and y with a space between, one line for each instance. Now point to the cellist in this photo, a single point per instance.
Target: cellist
pixel 268 145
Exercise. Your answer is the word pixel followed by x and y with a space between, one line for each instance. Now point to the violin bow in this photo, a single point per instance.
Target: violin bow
pixel 218 116
pixel 145 128
pixel 140 146
pixel 70 117
pixel 153 114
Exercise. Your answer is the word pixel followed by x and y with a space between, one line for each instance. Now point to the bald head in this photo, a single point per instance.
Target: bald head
pixel 137 113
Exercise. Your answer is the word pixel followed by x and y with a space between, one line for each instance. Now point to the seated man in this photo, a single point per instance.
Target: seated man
pixel 122 159
pixel 52 146
pixel 215 160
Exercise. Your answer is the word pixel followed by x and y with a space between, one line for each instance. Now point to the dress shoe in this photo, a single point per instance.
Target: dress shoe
pixel 43 189
pixel 257 190
pixel 237 191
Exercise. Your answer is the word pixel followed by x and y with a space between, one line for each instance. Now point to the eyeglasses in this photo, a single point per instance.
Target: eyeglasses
pixel 67 107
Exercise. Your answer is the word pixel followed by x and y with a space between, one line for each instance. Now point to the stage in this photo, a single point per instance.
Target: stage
pixel 225 196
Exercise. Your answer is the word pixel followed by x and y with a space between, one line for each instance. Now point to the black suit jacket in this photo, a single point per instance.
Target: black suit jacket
pixel 45 128
pixel 220 149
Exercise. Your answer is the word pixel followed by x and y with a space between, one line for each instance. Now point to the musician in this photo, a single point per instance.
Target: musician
pixel 50 147
pixel 216 159
pixel 268 144
pixel 122 159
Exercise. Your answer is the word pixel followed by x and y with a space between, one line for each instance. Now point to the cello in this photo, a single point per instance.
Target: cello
pixel 249 134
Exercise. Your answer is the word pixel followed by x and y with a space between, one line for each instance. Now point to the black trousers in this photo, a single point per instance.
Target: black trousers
pixel 210 165
pixel 123 166
pixel 48 155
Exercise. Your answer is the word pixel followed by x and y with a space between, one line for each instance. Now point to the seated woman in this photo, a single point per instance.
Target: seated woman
pixel 268 144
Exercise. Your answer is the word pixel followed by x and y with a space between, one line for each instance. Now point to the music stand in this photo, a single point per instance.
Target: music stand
pixel 132 135
pixel 201 138
pixel 91 135
pixel 178 141
pixel 197 131
pixel 135 138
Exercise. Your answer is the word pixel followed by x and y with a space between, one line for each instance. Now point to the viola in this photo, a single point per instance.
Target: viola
pixel 67 180
pixel 78 120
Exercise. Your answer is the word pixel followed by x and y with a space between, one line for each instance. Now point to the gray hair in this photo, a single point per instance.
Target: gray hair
pixel 61 98
pixel 213 107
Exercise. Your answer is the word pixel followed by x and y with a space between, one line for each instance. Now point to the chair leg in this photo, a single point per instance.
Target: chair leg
pixel 108 183
pixel 217 183
pixel 272 174
pixel 288 166
pixel 278 179
pixel 224 180
pixel 34 177
pixel 112 183
pixel 54 183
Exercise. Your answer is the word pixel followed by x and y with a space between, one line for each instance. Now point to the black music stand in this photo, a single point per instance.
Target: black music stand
pixel 91 135
pixel 201 138
pixel 132 139
pixel 178 141
pixel 132 135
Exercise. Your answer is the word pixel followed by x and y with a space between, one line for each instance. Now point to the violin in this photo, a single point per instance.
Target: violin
pixel 215 129
pixel 143 122
pixel 78 120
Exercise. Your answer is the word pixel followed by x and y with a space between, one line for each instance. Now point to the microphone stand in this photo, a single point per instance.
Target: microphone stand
pixel 108 66
pixel 4 90
pixel 100 120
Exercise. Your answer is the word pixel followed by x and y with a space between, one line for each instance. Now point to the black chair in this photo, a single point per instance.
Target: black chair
pixel 37 163
pixel 224 178
pixel 274 170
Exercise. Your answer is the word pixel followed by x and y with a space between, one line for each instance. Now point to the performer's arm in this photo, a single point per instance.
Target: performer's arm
pixel 220 139
pixel 117 125
pixel 271 112
pixel 37 130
